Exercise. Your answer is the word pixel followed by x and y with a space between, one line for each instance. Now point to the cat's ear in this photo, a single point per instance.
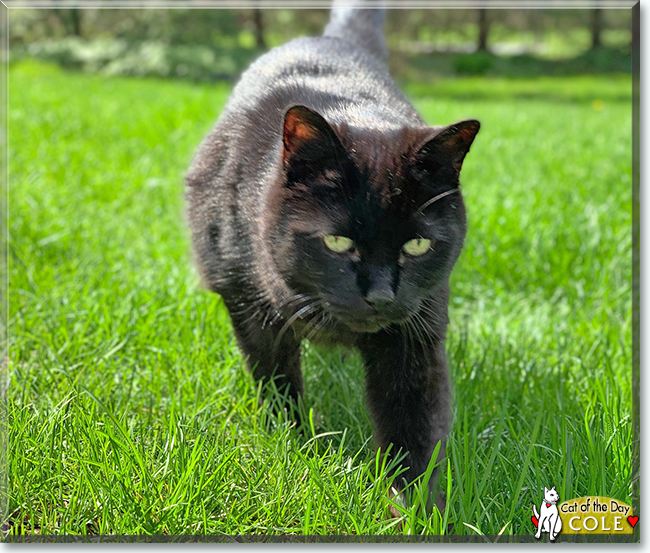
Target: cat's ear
pixel 448 146
pixel 307 136
pixel 545 489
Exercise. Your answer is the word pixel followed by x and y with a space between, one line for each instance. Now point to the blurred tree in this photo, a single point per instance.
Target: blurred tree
pixel 75 20
pixel 596 27
pixel 70 20
pixel 416 30
pixel 259 29
pixel 483 30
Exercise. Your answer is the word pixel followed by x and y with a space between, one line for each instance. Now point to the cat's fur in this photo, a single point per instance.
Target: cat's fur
pixel 317 140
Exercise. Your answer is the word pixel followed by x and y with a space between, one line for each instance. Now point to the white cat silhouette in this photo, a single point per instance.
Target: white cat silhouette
pixel 548 517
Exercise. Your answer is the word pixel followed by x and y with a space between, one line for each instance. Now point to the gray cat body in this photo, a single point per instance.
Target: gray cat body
pixel 322 206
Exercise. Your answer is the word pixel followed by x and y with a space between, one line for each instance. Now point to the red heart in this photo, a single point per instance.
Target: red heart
pixel 548 504
pixel 535 521
pixel 633 521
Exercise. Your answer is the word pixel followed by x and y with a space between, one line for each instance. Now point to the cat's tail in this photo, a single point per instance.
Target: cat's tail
pixel 351 21
pixel 535 510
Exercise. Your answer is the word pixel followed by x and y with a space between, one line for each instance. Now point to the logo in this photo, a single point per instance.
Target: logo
pixel 583 515
pixel 548 518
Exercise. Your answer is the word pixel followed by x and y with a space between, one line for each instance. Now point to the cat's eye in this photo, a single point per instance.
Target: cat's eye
pixel 338 244
pixel 417 246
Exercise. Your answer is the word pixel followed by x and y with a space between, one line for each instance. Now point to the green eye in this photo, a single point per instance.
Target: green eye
pixel 417 246
pixel 338 244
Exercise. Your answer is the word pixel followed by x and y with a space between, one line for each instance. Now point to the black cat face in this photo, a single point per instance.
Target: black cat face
pixel 369 234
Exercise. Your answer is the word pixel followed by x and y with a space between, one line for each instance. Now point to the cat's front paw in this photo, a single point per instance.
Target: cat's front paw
pixel 397 497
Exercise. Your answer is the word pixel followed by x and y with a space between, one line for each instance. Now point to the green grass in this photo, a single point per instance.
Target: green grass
pixel 129 410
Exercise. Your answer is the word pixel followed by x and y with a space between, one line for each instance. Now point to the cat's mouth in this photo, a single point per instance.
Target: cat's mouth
pixel 367 325
pixel 363 319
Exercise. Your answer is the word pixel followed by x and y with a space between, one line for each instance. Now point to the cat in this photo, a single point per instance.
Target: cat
pixel 548 518
pixel 322 206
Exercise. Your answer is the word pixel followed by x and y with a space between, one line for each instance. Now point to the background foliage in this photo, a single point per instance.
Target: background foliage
pixel 219 44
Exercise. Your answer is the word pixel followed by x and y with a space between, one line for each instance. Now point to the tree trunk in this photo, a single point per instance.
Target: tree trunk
pixel 259 29
pixel 596 27
pixel 483 30
pixel 70 20
pixel 75 19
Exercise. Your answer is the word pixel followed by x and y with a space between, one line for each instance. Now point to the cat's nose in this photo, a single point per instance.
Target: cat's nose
pixel 380 298
pixel 381 294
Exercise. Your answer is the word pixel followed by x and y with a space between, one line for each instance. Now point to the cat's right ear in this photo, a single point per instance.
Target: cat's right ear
pixel 448 146
pixel 307 136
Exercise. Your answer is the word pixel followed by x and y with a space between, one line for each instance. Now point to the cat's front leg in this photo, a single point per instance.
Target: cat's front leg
pixel 272 351
pixel 409 395
pixel 556 527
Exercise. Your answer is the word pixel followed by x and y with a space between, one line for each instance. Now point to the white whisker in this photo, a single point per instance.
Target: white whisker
pixel 435 199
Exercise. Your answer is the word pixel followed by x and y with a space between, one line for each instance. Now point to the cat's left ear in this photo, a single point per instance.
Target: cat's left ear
pixel 307 136
pixel 449 146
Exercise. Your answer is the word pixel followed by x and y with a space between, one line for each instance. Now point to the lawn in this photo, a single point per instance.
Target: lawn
pixel 128 407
